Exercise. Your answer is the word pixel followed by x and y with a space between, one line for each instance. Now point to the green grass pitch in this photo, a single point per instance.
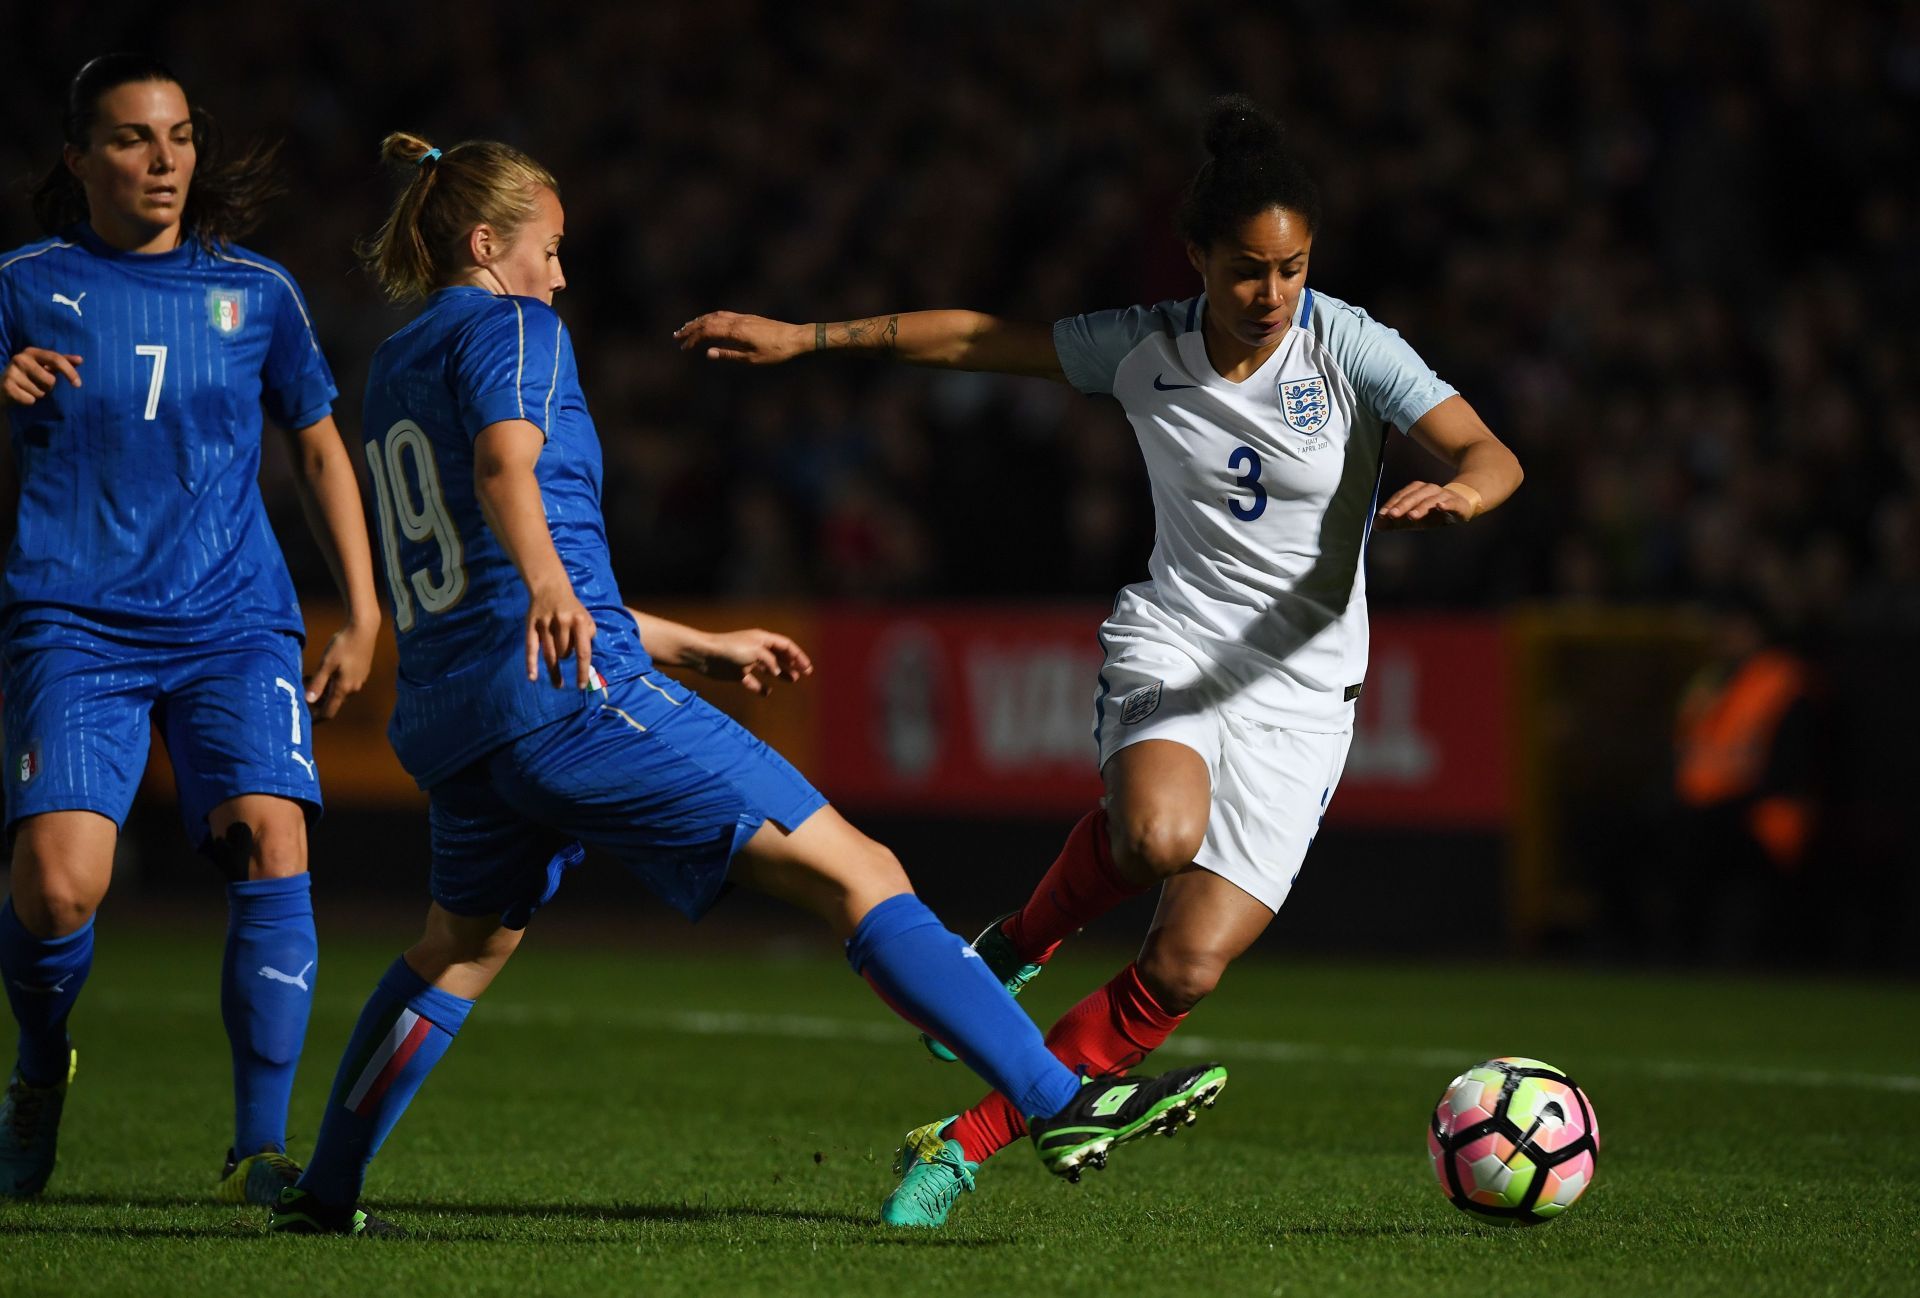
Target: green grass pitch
pixel 685 1123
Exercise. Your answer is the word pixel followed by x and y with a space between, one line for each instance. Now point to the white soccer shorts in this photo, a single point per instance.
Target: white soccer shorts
pixel 1270 785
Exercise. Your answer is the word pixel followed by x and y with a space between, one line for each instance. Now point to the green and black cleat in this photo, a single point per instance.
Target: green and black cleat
pixel 30 1131
pixel 1111 1111
pixel 256 1179
pixel 1003 963
pixel 933 1172
pixel 299 1213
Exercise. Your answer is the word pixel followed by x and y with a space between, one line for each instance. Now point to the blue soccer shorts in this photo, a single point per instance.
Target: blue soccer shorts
pixel 80 707
pixel 648 771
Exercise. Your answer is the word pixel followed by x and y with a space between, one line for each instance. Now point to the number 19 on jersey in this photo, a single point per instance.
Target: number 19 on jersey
pixel 426 520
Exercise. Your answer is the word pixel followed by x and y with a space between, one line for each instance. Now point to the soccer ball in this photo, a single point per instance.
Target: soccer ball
pixel 1514 1140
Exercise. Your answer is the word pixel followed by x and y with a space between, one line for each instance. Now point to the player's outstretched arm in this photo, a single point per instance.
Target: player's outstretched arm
pixel 1485 472
pixel 330 498
pixel 955 340
pixel 558 624
pixel 753 657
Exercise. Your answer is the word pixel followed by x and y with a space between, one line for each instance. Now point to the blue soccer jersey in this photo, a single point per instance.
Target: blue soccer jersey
pixel 140 510
pixel 471 359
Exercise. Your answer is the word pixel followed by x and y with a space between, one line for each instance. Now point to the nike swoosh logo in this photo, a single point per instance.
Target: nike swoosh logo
pixel 1159 386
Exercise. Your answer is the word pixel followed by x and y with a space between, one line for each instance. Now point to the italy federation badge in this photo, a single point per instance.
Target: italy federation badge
pixel 224 311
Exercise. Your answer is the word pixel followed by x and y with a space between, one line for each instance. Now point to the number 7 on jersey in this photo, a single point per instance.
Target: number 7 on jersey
pixel 158 352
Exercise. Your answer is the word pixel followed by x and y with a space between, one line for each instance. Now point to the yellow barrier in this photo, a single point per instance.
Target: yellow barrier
pixel 1594 693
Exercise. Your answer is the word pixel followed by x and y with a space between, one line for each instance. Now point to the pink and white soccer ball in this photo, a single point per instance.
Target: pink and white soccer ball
pixel 1514 1140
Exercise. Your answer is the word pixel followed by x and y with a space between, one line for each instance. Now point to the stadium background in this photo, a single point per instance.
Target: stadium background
pixel 1669 251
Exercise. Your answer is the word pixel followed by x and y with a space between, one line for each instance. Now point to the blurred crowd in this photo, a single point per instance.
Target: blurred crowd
pixel 1669 250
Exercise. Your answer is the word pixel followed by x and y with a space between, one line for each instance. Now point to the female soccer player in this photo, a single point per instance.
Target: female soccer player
pixel 1225 707
pixel 487 471
pixel 144 582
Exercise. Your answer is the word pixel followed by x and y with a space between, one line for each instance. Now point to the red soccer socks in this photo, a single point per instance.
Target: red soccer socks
pixel 1080 886
pixel 1110 1031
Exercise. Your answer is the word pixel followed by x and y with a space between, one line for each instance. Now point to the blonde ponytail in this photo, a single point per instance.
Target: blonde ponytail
pixel 447 194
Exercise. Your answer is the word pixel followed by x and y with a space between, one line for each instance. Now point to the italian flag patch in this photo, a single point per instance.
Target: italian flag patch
pixel 391 1053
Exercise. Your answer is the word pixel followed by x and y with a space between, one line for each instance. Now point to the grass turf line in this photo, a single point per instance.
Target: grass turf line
pixel 608 1123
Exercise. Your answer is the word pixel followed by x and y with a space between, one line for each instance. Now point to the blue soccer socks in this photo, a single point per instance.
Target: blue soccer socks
pixel 402 1033
pixel 266 994
pixel 44 977
pixel 933 979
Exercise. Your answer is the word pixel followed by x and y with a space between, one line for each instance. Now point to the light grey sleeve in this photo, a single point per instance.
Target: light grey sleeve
pixel 1092 346
pixel 1386 373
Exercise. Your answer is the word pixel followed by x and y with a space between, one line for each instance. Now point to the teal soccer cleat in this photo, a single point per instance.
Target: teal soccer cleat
pixel 296 1212
pixel 1111 1111
pixel 932 1173
pixel 256 1179
pixel 1003 963
pixel 29 1129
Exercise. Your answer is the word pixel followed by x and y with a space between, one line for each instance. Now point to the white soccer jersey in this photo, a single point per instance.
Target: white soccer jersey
pixel 1263 495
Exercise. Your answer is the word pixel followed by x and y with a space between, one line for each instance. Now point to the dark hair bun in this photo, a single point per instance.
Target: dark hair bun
pixel 1236 126
pixel 1251 170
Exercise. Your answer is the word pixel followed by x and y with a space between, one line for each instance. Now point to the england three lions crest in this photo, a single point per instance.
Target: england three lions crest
pixel 1304 405
pixel 1138 705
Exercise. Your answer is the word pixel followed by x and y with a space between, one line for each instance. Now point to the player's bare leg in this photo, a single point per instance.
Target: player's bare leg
pixel 276 837
pixel 826 867
pixel 462 954
pixel 62 864
pixel 1202 925
pixel 1158 799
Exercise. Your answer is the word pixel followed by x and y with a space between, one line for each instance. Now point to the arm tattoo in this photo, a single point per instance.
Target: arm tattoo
pixel 871 334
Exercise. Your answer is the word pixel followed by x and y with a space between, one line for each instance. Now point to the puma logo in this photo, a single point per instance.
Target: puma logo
pixel 61 299
pixel 296 980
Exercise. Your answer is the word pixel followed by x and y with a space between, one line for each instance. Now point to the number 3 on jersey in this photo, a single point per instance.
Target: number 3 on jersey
pixel 427 520
pixel 1245 461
